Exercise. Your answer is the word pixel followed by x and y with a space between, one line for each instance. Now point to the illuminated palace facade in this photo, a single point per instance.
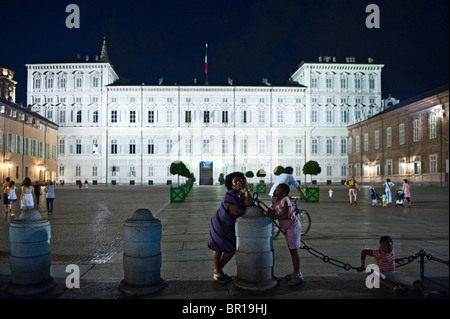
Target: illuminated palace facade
pixel 111 133
pixel 409 140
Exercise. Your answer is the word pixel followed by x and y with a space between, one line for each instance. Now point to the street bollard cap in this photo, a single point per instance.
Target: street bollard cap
pixel 142 214
pixel 31 215
pixel 253 211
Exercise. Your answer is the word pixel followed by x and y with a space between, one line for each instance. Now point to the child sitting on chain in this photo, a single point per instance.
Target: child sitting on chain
pixel 388 276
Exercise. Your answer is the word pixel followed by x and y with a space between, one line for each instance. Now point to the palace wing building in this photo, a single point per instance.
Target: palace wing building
pixel 408 140
pixel 112 133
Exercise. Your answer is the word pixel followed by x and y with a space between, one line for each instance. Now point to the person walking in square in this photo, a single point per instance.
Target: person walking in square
pixel 407 192
pixel 384 199
pixel 37 192
pixel 388 185
pixel 50 197
pixel 5 195
pixel 352 186
pixel 12 196
pixel 27 196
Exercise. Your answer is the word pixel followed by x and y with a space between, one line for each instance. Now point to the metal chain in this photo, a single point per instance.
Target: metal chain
pixel 423 253
pixel 325 258
pixel 336 262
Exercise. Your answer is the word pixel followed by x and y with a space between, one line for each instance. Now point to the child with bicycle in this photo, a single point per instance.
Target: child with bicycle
pixel 281 209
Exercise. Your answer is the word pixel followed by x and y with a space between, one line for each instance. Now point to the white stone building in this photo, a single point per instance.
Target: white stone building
pixel 130 134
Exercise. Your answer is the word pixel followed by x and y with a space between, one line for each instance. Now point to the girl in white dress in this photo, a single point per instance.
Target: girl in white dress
pixel 12 197
pixel 27 198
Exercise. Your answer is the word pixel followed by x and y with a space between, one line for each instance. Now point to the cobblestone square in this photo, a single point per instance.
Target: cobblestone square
pixel 87 230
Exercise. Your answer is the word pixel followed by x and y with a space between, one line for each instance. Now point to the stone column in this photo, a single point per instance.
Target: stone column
pixel 254 251
pixel 30 258
pixel 142 255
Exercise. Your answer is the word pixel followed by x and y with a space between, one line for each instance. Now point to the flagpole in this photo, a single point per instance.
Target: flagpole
pixel 206 63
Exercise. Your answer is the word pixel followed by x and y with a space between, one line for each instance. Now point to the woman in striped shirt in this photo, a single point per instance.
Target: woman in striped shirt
pixel 222 236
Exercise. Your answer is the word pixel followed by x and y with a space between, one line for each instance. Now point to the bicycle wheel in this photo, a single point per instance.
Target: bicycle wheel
pixel 305 220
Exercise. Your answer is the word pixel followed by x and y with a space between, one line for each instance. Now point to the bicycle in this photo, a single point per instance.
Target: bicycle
pixel 301 214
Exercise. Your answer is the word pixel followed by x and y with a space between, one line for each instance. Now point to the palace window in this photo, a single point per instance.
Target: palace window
pixel 416 130
pixel 114 116
pixel 151 116
pixel 432 126
pixel 206 117
pixel 224 116
pixel 188 117
pixel 113 146
pixel 151 147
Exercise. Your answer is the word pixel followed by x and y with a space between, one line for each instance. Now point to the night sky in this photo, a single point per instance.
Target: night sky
pixel 247 40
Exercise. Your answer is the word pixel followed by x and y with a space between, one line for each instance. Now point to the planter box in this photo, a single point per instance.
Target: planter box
pixel 312 193
pixel 250 187
pixel 177 194
pixel 261 188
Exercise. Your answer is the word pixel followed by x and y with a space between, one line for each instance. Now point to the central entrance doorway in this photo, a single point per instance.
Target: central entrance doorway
pixel 206 173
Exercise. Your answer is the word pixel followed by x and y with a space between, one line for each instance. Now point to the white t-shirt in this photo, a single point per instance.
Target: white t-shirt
pixel 284 178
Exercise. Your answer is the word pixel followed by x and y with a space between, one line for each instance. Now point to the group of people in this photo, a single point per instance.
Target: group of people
pixel 29 195
pixel 222 236
pixel 386 197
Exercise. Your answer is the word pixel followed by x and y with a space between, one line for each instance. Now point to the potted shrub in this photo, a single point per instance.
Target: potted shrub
pixel 261 187
pixel 178 194
pixel 178 168
pixel 278 170
pixel 311 168
pixel 249 175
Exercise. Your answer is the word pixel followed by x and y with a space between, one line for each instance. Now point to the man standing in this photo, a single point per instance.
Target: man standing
pixel 5 195
pixel 352 185
pixel 287 178
pixel 37 192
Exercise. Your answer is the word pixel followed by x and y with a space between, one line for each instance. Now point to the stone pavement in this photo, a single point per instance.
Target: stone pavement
pixel 87 230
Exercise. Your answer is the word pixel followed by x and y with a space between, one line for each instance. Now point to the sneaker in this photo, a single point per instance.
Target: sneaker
pixel 356 203
pixel 296 280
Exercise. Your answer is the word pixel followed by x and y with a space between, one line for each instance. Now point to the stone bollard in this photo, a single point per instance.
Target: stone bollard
pixel 142 255
pixel 30 258
pixel 254 251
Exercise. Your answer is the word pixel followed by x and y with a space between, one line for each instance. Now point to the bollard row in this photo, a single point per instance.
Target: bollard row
pixel 30 258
